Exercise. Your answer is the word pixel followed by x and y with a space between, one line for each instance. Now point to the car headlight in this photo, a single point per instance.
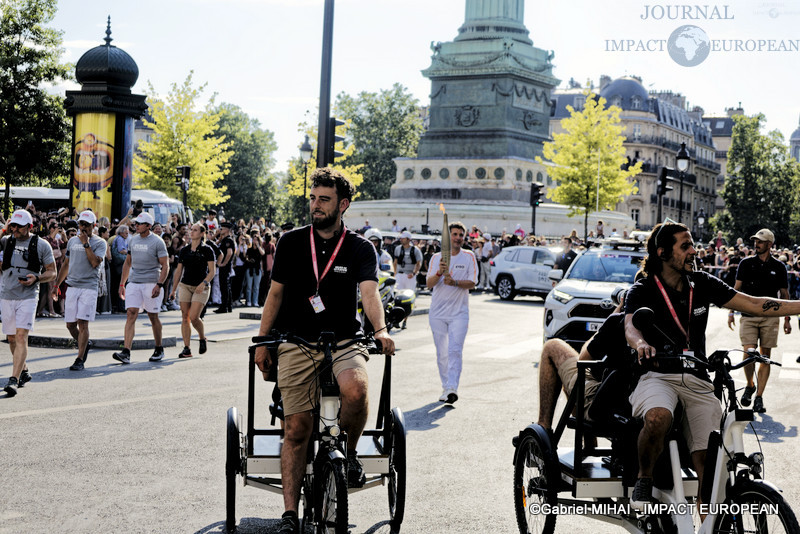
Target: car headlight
pixel 562 297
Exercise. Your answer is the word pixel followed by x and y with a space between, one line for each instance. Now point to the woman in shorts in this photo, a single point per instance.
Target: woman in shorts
pixel 195 270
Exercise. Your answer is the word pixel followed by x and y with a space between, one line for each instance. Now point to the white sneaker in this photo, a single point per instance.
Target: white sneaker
pixel 443 397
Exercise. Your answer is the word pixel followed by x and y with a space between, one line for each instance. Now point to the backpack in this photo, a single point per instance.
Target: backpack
pixel 400 255
pixel 34 262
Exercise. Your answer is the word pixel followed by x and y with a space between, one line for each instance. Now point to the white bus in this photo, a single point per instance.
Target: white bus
pixel 156 203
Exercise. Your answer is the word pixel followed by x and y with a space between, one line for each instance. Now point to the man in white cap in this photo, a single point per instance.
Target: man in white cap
pixel 27 261
pixel 81 269
pixel 760 276
pixel 407 262
pixel 145 270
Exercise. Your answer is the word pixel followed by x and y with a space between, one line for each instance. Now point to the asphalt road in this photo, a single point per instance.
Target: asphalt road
pixel 141 448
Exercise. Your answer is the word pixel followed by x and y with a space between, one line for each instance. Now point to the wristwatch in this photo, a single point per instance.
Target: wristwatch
pixel 86 245
pixel 160 284
pixel 206 282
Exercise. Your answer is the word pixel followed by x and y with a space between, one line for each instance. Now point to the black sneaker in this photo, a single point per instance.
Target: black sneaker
pixel 223 310
pixel 158 354
pixel 11 387
pixel 642 493
pixel 290 523
pixel 185 353
pixel 355 471
pixel 122 357
pixel 203 346
pixel 758 405
pixel 24 377
pixel 748 394
pixel 77 366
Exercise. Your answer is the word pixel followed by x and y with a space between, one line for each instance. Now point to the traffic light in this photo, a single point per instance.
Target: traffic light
pixel 182 173
pixel 536 193
pixel 663 184
pixel 333 122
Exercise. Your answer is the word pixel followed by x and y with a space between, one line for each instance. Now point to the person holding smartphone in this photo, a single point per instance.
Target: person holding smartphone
pixel 81 270
pixel 27 261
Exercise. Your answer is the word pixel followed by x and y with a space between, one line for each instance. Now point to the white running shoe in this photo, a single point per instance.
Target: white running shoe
pixel 443 396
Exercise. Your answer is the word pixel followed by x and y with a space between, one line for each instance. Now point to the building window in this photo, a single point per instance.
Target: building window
pixel 580 102
pixel 635 217
pixel 636 102
pixel 637 134
pixel 616 100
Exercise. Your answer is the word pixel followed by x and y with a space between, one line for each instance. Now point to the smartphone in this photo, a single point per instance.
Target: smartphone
pixel 22 278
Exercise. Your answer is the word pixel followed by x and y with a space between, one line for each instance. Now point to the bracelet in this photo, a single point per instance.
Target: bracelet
pixel 438 273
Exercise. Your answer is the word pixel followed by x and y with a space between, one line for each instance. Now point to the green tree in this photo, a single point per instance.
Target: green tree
pixel 34 130
pixel 184 134
pixel 382 126
pixel 763 188
pixel 590 151
pixel 251 186
pixel 297 183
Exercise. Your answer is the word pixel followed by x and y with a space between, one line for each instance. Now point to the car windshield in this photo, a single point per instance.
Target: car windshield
pixel 605 267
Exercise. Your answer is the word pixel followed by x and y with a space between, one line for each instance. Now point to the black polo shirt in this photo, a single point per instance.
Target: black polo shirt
pixel 708 290
pixel 610 342
pixel 356 262
pixel 224 246
pixel 762 278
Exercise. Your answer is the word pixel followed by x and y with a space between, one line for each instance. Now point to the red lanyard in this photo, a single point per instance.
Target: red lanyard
pixel 672 309
pixel 330 261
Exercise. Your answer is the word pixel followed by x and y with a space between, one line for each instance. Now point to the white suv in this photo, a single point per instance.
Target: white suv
pixel 578 305
pixel 522 271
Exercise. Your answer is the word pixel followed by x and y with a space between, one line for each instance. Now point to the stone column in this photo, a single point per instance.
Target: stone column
pixel 495 9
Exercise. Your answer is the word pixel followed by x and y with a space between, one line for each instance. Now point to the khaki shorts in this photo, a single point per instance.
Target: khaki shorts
pixel 701 409
pixel 568 372
pixel 299 389
pixel 765 329
pixel 186 294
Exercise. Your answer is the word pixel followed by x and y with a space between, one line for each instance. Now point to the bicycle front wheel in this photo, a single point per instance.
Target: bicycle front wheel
pixel 535 482
pixel 754 507
pixel 333 498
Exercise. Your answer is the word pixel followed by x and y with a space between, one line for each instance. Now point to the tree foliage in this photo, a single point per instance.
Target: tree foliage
pixel 184 134
pixel 763 189
pixel 34 129
pixel 297 182
pixel 592 145
pixel 382 126
pixel 249 182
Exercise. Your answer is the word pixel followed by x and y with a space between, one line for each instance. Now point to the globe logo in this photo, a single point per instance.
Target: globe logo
pixel 688 46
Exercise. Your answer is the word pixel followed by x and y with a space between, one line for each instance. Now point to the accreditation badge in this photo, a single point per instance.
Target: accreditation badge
pixel 316 303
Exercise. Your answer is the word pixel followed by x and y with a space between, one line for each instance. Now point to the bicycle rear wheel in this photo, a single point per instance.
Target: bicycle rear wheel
pixel 233 467
pixel 333 498
pixel 766 511
pixel 535 482
pixel 397 471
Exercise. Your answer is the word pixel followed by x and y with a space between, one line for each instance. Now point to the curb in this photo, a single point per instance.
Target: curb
pixel 51 342
pixel 257 316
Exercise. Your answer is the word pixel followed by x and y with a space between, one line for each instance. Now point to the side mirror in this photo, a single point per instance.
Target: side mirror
pixel 555 275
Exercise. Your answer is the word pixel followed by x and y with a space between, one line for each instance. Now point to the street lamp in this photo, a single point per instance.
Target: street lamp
pixel 701 219
pixel 305 154
pixel 682 162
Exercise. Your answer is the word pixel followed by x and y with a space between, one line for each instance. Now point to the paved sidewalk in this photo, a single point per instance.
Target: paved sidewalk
pixel 107 330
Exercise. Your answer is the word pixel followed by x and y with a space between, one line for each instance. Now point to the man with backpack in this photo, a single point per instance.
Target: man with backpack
pixel 27 262
pixel 407 262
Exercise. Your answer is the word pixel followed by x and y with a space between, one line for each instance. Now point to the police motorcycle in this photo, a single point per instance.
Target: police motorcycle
pixel 397 304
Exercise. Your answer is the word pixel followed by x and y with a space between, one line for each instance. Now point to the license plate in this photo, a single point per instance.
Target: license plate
pixel 593 327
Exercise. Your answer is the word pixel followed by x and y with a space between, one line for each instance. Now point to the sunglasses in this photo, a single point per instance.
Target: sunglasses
pixel 13 225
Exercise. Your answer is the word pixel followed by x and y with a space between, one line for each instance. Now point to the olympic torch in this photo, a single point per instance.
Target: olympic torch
pixel 445 238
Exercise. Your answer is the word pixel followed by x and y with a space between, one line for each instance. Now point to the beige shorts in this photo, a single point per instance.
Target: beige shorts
pixel 755 329
pixel 187 293
pixel 568 372
pixel 701 409
pixel 299 389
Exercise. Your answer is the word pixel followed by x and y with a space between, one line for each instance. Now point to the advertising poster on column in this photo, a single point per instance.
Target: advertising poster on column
pixel 127 167
pixel 93 172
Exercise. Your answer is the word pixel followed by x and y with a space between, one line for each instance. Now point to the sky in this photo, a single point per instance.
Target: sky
pixel 264 55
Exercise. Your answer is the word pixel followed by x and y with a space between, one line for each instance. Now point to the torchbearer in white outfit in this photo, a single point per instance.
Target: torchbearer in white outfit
pixel 449 312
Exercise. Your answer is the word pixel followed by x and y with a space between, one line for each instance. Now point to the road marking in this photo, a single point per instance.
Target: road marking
pixel 119 402
pixel 506 352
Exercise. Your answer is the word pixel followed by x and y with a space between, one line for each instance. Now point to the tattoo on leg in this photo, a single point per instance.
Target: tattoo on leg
pixel 771 304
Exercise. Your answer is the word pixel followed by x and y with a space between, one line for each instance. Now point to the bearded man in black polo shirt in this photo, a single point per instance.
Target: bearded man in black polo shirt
pixel 763 276
pixel 680 298
pixel 316 276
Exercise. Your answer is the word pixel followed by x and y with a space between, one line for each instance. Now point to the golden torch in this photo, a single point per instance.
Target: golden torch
pixel 445 238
